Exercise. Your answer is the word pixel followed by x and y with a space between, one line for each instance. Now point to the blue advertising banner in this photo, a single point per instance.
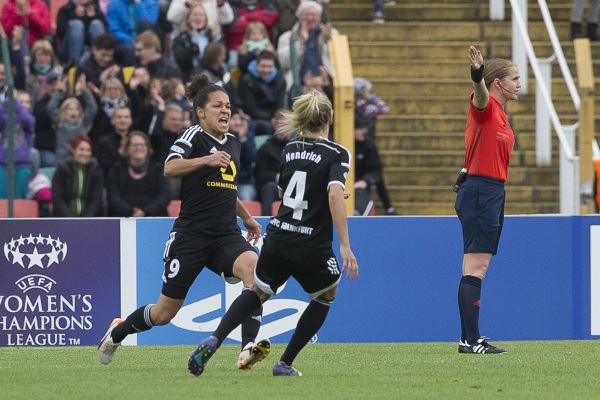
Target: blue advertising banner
pixel 537 287
pixel 59 281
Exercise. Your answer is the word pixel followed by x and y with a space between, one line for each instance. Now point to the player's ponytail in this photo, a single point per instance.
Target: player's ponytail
pixel 198 91
pixel 311 116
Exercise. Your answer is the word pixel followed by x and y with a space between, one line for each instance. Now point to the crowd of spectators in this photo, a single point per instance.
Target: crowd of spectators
pixel 107 91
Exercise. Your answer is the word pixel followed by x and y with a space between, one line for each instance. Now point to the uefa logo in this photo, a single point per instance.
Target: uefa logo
pixel 33 252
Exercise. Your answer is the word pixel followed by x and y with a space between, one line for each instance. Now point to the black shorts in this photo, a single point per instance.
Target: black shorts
pixel 480 208
pixel 186 255
pixel 316 273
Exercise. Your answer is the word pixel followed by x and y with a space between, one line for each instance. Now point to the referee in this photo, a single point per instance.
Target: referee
pixel 479 205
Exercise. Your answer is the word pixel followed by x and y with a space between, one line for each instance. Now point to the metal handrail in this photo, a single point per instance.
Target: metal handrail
pixel 518 19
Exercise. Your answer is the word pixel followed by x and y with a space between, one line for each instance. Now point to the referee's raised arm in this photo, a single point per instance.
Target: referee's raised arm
pixel 482 96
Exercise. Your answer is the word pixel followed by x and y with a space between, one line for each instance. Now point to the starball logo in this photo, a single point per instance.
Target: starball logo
pixel 37 252
pixel 38 317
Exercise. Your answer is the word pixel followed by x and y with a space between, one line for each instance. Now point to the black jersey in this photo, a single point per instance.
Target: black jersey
pixel 208 195
pixel 308 169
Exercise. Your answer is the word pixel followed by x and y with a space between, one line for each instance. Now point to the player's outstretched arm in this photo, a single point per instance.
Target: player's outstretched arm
pixel 338 214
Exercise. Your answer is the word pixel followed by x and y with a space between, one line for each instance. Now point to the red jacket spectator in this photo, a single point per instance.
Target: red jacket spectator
pixel 247 11
pixel 30 14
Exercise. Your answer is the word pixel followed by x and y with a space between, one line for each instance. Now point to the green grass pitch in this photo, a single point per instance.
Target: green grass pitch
pixel 530 370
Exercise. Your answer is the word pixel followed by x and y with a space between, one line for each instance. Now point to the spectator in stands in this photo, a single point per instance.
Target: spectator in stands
pixel 367 106
pixel 213 64
pixel 45 131
pixel 304 48
pixel 268 164
pixel 148 50
pixel 25 99
pixel 124 26
pixel 153 105
pixel 109 97
pixel 138 91
pixel 368 171
pixel 247 11
pixel 70 117
pixel 107 149
pixel 17 58
pixel 136 185
pixel 101 64
pixel 78 184
pixel 262 91
pixel 320 82
pixel 78 23
pixel 287 14
pixel 217 12
pixel 168 126
pixel 378 16
pixel 23 132
pixel 43 63
pixel 194 36
pixel 592 20
pixel 31 15
pixel 173 92
pixel 256 40
pixel 244 131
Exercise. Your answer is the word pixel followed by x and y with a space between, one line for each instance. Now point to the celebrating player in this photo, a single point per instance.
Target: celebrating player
pixel 206 233
pixel 299 239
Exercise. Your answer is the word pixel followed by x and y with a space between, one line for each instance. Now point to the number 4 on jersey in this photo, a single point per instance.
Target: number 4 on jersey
pixel 298 204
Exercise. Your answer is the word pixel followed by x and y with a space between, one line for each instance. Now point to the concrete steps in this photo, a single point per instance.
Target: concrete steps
pixel 417 61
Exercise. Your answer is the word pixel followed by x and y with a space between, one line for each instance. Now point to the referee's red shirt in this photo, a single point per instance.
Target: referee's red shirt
pixel 489 140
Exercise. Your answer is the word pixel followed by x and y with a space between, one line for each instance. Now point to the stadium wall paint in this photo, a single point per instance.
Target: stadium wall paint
pixel 63 281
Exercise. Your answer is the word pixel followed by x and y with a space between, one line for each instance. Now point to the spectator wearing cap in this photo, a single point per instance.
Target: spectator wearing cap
pixel 126 19
pixel 304 49
pixel 78 183
pixel 78 23
pixel 23 133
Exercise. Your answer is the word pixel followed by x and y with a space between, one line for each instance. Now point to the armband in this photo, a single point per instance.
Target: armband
pixel 477 74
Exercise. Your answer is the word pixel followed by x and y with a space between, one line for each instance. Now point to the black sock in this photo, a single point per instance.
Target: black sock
pixel 309 324
pixel 463 329
pixel 137 321
pixel 242 307
pixel 469 297
pixel 251 326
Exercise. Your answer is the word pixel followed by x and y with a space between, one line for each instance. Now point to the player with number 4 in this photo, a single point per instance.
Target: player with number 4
pixel 299 238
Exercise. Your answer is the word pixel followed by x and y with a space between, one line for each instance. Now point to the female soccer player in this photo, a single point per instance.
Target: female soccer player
pixel 299 239
pixel 206 233
pixel 489 141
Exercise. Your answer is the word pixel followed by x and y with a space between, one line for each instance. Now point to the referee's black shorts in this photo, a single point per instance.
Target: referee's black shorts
pixel 480 209
pixel 316 272
pixel 185 256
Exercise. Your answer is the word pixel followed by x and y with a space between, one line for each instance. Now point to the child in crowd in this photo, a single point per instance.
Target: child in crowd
pixel 70 117
pixel 256 40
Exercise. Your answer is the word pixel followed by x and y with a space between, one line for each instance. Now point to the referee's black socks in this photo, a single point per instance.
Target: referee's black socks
pixel 469 300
